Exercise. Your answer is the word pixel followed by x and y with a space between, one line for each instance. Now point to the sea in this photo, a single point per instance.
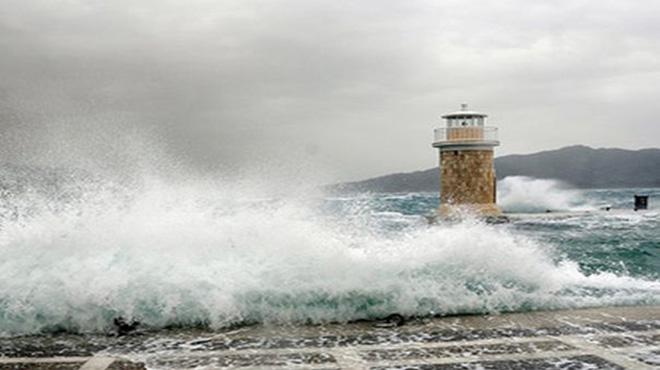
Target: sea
pixel 77 252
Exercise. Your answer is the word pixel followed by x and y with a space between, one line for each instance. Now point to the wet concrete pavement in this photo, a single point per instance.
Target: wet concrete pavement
pixel 603 338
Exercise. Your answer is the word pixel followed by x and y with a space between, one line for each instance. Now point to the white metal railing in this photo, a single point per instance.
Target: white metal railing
pixel 479 133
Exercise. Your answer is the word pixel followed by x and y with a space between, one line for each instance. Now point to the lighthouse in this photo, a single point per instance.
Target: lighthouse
pixel 467 172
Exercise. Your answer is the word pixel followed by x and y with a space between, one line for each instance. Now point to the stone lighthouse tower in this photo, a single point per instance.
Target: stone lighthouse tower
pixel 467 172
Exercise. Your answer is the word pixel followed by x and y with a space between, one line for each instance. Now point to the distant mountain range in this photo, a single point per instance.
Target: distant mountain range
pixel 580 166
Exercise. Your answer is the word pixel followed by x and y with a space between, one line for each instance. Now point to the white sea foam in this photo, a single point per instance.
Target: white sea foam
pixel 185 255
pixel 520 194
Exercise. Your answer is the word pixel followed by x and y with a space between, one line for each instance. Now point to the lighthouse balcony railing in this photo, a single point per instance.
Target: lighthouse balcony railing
pixel 465 134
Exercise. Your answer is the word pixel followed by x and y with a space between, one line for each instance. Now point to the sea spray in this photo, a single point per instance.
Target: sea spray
pixel 520 194
pixel 200 254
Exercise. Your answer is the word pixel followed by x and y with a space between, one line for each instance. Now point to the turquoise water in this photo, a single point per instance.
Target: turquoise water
pixel 75 253
pixel 619 241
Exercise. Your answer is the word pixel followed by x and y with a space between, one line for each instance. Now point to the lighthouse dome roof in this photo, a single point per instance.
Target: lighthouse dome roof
pixel 464 113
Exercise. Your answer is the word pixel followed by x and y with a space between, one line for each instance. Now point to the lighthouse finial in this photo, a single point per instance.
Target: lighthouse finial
pixel 464 106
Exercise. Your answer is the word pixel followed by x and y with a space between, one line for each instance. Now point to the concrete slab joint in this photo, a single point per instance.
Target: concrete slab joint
pixel 98 363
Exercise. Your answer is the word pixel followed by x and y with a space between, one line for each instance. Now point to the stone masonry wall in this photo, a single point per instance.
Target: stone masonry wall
pixel 467 177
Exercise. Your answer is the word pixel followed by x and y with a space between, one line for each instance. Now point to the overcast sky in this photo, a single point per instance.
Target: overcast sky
pixel 352 88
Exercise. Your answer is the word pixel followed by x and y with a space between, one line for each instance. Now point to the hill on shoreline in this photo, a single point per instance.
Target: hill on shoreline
pixel 580 166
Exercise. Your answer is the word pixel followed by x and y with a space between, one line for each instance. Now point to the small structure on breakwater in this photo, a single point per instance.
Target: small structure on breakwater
pixel 641 202
pixel 467 173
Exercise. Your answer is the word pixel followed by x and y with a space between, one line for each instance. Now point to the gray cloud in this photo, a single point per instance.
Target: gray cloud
pixel 351 88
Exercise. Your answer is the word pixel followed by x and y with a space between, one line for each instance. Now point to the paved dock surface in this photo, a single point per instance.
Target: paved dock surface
pixel 604 338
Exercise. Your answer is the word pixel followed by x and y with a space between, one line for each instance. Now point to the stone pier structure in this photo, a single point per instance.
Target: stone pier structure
pixel 467 172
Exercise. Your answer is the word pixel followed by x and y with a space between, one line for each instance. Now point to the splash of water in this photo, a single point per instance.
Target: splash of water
pixel 520 194
pixel 189 255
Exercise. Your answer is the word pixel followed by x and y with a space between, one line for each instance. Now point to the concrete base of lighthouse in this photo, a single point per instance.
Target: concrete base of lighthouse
pixel 489 213
pixel 469 210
